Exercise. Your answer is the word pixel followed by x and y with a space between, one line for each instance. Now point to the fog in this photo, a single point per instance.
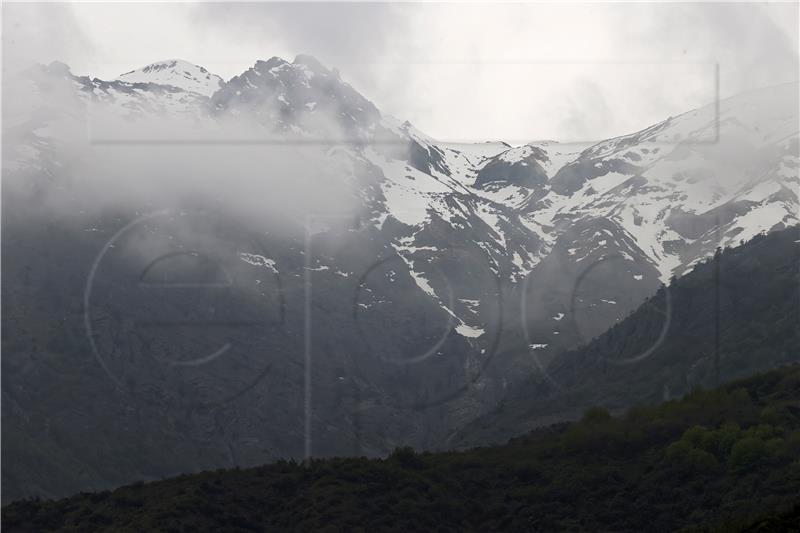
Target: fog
pixel 482 71
pixel 64 152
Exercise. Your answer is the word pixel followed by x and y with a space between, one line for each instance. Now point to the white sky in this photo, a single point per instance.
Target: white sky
pixel 477 71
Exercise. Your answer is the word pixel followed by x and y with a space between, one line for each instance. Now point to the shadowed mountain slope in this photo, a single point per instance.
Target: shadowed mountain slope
pixel 734 315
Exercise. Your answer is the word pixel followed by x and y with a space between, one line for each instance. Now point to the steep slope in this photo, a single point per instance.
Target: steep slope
pixel 633 211
pixel 711 173
pixel 730 317
pixel 715 461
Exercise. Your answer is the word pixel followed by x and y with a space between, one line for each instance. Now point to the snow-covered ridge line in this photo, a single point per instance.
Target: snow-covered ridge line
pixel 176 73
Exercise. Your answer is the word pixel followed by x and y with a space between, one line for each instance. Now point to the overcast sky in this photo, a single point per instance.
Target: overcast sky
pixel 477 71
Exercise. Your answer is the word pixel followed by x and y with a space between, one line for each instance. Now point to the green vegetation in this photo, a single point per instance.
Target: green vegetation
pixel 721 460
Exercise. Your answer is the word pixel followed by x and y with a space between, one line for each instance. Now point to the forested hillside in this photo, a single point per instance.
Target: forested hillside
pixel 731 317
pixel 719 460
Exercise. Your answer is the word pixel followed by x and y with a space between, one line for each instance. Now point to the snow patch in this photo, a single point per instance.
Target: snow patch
pixel 258 260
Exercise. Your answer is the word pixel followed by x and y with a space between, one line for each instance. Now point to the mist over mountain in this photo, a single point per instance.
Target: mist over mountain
pixel 201 273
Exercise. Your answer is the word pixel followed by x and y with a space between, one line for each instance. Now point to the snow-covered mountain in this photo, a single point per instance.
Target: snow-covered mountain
pixel 302 97
pixel 176 73
pixel 695 177
pixel 538 217
pixel 454 271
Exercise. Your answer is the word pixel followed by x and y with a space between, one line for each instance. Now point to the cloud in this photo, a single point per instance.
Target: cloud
pixel 68 154
pixel 586 95
pixel 41 33
pixel 457 71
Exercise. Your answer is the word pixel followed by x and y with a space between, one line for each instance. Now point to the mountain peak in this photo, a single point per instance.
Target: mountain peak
pixel 310 62
pixel 177 73
pixel 270 63
pixel 58 67
pixel 302 63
